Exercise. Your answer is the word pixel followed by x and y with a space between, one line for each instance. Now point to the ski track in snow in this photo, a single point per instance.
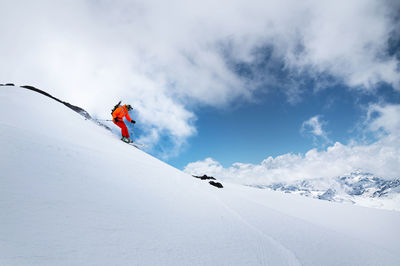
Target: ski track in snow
pixel 71 193
pixel 310 236
pixel 280 248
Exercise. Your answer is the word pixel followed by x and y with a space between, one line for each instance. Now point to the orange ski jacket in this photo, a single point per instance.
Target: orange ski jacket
pixel 120 113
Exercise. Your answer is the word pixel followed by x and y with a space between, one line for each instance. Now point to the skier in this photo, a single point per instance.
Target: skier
pixel 118 118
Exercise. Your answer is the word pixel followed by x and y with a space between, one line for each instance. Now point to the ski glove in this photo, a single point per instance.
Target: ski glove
pixel 133 121
pixel 116 120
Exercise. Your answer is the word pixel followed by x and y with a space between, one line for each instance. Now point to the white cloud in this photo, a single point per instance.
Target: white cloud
pixel 348 40
pixel 314 126
pixel 384 118
pixel 164 56
pixel 381 158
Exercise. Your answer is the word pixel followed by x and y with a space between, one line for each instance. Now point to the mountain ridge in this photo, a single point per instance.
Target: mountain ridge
pixel 353 188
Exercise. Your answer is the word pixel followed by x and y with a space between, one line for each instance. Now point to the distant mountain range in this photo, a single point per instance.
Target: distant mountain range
pixel 359 188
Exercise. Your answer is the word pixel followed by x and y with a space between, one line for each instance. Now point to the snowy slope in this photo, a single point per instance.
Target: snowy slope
pixel 71 193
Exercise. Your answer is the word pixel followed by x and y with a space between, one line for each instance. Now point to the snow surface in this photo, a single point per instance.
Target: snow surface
pixel 71 193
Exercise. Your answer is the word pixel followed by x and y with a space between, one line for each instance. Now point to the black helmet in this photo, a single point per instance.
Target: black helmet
pixel 128 107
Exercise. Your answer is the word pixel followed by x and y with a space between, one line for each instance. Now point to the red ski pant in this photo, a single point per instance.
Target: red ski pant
pixel 124 129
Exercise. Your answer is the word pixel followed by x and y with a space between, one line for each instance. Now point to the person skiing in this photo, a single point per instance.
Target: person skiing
pixel 118 118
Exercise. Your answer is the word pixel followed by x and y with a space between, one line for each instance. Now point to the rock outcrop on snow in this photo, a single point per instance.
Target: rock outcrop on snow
pixel 75 108
pixel 204 177
pixel 212 183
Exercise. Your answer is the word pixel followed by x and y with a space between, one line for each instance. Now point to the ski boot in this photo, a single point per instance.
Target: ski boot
pixel 125 139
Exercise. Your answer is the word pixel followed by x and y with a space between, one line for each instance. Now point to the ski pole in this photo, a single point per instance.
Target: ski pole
pixel 133 132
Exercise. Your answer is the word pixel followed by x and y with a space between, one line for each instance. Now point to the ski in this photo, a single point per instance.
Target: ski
pixel 137 145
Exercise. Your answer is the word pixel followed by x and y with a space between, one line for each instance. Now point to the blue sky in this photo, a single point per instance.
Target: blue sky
pixel 251 132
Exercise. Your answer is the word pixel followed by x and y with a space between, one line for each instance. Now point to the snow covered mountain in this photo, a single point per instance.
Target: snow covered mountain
pixel 71 193
pixel 359 188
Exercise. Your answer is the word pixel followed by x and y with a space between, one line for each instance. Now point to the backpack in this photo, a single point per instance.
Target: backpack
pixel 115 107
